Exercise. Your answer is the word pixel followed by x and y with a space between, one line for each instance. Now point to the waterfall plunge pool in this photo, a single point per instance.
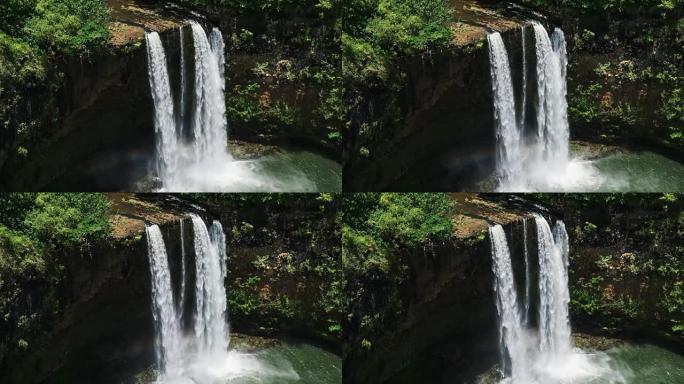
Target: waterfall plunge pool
pixel 629 363
pixel 284 169
pixel 635 171
pixel 279 361
pixel 253 359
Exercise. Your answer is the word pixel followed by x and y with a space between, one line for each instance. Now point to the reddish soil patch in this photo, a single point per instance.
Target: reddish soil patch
pixel 130 19
pixel 129 213
pixel 474 213
pixel 472 19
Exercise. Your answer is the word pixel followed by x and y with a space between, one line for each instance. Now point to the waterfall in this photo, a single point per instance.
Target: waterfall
pixel 211 331
pixel 209 137
pixel 528 276
pixel 544 355
pixel 523 104
pixel 166 142
pixel 508 138
pixel 182 102
pixel 192 152
pixel 554 296
pixel 539 162
pixel 209 126
pixel 553 131
pixel 511 336
pixel 168 330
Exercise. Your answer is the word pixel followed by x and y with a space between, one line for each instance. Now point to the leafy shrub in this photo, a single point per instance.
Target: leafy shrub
pixel 68 219
pixel 68 25
pixel 262 5
pixel 374 31
pixel 14 13
pixel 56 219
pixel 374 224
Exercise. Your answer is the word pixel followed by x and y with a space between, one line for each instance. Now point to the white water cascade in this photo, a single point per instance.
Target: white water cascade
pixel 512 346
pixel 528 277
pixel 554 296
pixel 544 355
pixel 168 342
pixel 209 124
pixel 166 141
pixel 191 147
pixel 211 328
pixel 198 353
pixel 541 163
pixel 523 104
pixel 553 132
pixel 183 85
pixel 508 139
pixel 209 128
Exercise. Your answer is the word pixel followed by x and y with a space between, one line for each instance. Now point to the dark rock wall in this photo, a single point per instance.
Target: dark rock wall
pixel 104 110
pixel 632 246
pixel 622 55
pixel 103 330
pixel 102 325
pixel 283 56
pixel 448 327
pixel 445 108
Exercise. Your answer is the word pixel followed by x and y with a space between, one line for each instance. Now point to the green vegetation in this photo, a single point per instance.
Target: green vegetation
pixel 375 227
pixel 261 100
pixel 378 232
pixel 606 5
pixel 631 89
pixel 379 37
pixel 377 33
pixel 53 221
pixel 263 5
pixel 54 26
pixel 284 274
pixel 627 260
pixel 38 234
pixel 35 34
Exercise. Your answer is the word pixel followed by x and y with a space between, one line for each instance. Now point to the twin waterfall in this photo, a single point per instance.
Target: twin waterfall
pixel 518 352
pixel 537 348
pixel 186 137
pixel 209 336
pixel 533 154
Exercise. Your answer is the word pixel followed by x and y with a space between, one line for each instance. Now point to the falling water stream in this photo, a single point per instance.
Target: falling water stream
pixel 191 147
pixel 508 151
pixel 167 327
pixel 198 353
pixel 545 354
pixel 539 161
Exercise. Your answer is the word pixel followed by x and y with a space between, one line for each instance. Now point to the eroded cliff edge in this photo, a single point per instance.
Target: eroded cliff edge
pixel 95 324
pixel 93 111
pixel 441 320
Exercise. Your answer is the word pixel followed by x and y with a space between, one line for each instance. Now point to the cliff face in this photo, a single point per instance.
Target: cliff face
pixel 625 77
pixel 445 329
pixel 101 329
pixel 441 114
pixel 104 108
pixel 93 114
pixel 91 122
pixel 283 80
pixel 625 265
pixel 95 324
